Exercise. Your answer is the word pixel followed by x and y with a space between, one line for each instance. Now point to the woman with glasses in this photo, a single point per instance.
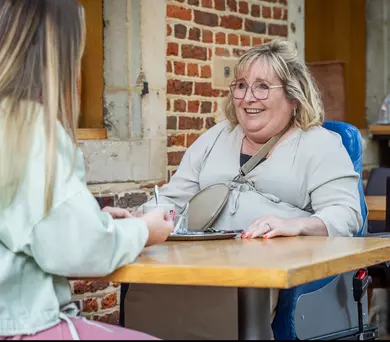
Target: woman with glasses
pixel 305 185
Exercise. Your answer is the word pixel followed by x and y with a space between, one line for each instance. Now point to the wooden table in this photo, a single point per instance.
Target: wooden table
pixel 376 207
pixel 254 266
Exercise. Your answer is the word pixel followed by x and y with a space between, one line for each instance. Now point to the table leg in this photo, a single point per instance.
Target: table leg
pixel 254 317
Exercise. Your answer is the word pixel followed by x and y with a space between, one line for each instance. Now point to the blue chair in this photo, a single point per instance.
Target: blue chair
pixel 313 310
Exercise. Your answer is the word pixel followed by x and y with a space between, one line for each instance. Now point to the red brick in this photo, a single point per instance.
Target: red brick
pixel 267 40
pixel 210 54
pixel 81 287
pixel 169 66
pixel 232 4
pixel 169 30
pixel 174 158
pixel 99 285
pixel 266 11
pixel 273 1
pixel 180 68
pixel 191 138
pixel 172 49
pixel 219 5
pixel 180 31
pixel 193 2
pixel 220 38
pixel 277 30
pixel 110 300
pixel 283 2
pixel 205 89
pixel 238 52
pixel 192 69
pixel 224 93
pixel 285 14
pixel 215 107
pixel 207 36
pixel 90 305
pixel 168 105
pixel 232 39
pixel 110 318
pixel 243 9
pixel 245 40
pixel 193 106
pixel 255 12
pixel 277 13
pixel 231 22
pixel 210 122
pixel 194 52
pixel 206 107
pixel 255 26
pixel 207 3
pixel 171 122
pixel 190 123
pixel 180 106
pixel 205 71
pixel 178 87
pixel 204 18
pixel 194 34
pixel 222 52
pixel 179 12
pixel 176 140
pixel 257 41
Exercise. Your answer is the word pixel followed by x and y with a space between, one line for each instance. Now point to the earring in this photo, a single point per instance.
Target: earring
pixel 294 112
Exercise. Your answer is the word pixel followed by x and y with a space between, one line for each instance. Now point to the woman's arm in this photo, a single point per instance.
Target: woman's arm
pixel 332 187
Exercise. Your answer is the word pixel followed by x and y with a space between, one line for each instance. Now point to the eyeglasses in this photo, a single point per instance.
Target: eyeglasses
pixel 260 89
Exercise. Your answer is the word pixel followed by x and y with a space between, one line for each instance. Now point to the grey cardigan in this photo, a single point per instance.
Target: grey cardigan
pixel 308 174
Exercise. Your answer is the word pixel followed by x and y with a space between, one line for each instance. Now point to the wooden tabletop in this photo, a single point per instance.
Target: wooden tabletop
pixel 376 207
pixel 379 129
pixel 274 263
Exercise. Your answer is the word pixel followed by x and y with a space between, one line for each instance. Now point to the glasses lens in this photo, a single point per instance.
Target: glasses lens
pixel 260 90
pixel 238 89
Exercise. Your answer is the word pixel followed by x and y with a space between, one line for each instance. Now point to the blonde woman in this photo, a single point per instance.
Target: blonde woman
pixel 306 185
pixel 51 227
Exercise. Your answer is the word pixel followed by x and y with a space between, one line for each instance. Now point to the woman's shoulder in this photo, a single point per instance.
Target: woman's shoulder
pixel 210 136
pixel 319 139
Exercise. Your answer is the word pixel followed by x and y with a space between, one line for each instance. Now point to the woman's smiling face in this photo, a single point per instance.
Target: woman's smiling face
pixel 262 119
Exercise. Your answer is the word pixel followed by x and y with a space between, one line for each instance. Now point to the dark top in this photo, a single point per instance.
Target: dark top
pixel 245 157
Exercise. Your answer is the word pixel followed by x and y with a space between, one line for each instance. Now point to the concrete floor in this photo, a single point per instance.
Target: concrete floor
pixel 379 311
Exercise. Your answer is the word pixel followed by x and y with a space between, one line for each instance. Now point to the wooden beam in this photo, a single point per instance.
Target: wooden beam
pixel 91 134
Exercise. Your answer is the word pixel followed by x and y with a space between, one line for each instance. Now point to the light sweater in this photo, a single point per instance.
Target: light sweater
pixel 77 239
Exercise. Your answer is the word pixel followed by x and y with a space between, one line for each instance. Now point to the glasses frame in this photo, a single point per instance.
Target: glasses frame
pixel 270 86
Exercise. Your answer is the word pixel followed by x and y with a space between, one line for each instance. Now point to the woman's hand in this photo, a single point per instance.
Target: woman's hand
pixel 271 226
pixel 117 213
pixel 159 226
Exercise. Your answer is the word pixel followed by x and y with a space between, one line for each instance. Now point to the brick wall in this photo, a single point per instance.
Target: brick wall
pixel 197 30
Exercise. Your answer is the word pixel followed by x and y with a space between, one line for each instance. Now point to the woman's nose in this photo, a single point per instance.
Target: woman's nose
pixel 249 96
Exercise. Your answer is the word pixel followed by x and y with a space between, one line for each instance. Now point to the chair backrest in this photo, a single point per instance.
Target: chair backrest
pixel 284 324
pixel 352 140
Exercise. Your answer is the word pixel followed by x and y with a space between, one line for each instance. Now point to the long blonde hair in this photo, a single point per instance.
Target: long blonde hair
pixel 41 45
pixel 298 84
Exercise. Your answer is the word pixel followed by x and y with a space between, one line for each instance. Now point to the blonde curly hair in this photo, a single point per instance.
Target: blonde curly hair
pixel 298 84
